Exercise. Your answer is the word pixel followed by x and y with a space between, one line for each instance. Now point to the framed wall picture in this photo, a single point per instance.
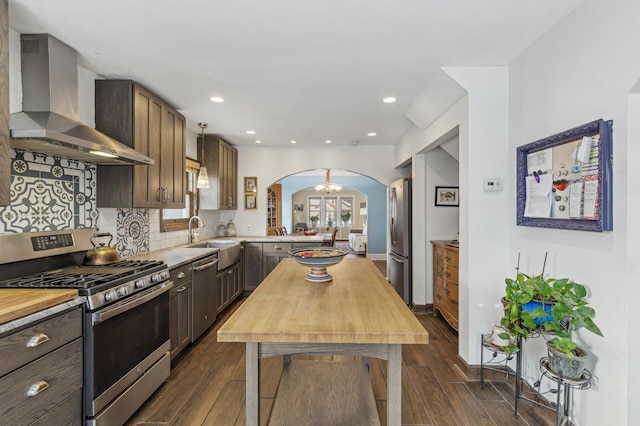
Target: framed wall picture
pixel 250 202
pixel 447 196
pixel 250 185
pixel 565 180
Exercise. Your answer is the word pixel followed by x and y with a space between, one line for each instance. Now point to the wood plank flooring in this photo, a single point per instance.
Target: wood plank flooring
pixel 207 386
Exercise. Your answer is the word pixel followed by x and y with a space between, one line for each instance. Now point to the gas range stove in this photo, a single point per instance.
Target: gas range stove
pixel 100 284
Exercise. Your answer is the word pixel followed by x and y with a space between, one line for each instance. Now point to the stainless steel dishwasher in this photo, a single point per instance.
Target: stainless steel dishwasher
pixel 204 294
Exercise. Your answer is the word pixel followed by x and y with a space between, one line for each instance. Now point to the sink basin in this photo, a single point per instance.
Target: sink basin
pixel 228 254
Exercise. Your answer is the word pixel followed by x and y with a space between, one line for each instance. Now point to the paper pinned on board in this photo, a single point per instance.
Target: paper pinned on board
pixel 540 161
pixel 538 201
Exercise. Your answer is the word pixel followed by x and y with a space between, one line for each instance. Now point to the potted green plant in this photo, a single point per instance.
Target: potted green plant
pixel 345 217
pixel 314 221
pixel 533 305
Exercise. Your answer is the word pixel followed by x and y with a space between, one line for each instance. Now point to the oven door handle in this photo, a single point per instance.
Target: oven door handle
pixel 130 303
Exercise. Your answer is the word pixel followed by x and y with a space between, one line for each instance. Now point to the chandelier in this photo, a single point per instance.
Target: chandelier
pixel 327 186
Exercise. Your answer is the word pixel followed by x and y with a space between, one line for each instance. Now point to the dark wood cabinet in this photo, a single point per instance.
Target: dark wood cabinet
pixel 180 310
pixel 221 160
pixel 229 286
pixel 252 267
pixel 51 370
pixel 136 117
pixel 5 175
pixel 272 254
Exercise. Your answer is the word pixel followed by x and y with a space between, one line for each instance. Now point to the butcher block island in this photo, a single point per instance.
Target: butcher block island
pixel 358 313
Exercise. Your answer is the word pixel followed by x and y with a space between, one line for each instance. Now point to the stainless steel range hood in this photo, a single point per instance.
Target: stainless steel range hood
pixel 49 123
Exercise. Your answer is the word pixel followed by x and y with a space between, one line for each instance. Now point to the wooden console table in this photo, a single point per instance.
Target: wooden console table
pixel 358 313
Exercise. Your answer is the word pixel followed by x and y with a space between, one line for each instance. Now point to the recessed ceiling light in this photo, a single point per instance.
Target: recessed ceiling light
pixel 251 132
pixel 216 99
pixel 258 141
pixel 327 141
pixel 389 100
pixel 294 142
pixel 371 134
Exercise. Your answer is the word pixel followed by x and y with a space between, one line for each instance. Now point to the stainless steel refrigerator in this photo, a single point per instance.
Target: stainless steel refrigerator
pixel 399 257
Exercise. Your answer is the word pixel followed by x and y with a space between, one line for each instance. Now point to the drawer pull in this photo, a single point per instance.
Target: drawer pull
pixel 37 387
pixel 37 340
pixel 181 289
pixel 277 248
pixel 181 274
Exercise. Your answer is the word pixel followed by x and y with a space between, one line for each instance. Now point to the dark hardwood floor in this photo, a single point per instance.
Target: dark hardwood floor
pixel 207 386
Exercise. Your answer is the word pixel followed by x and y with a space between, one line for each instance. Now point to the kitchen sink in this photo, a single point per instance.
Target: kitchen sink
pixel 228 254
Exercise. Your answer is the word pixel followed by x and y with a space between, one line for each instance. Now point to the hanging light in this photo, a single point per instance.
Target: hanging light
pixel 327 186
pixel 203 176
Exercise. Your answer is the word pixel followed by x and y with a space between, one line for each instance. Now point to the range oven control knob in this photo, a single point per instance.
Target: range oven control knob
pixel 110 296
pixel 140 283
pixel 155 278
pixel 122 291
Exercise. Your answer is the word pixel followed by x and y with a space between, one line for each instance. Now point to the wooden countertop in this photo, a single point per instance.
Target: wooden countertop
pixel 16 303
pixel 358 306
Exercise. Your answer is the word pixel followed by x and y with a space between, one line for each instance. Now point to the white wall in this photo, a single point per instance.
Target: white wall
pixel 582 70
pixel 271 164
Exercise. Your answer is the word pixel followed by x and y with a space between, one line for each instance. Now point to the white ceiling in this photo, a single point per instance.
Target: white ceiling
pixel 295 69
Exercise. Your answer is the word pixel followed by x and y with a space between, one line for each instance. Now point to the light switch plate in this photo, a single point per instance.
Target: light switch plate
pixel 492 184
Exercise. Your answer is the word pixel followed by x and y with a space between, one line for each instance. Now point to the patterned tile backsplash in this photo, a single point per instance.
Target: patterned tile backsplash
pixel 49 193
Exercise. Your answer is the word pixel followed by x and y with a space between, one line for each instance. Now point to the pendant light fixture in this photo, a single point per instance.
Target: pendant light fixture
pixel 203 176
pixel 327 186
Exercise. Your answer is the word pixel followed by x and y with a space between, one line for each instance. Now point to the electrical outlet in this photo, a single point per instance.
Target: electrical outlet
pixel 249 228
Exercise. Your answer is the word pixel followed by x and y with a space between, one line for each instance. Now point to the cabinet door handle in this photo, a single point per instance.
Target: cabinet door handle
pixel 181 289
pixel 181 274
pixel 37 387
pixel 229 201
pixel 159 194
pixel 165 199
pixel 277 248
pixel 229 272
pixel 37 340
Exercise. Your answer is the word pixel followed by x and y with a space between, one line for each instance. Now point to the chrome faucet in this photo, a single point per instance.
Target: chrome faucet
pixel 193 235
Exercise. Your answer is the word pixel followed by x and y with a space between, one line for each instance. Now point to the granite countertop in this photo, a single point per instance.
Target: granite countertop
pixel 178 256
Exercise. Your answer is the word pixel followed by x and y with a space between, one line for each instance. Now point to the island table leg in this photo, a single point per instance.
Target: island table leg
pixel 394 386
pixel 253 385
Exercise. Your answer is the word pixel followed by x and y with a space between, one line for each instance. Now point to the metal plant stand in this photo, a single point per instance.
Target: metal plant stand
pixel 566 385
pixel 498 357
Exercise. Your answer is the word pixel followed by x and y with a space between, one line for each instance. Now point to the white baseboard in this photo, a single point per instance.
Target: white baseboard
pixel 377 256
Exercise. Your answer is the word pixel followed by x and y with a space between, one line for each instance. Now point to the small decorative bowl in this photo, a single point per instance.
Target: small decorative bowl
pixel 318 258
pixel 309 232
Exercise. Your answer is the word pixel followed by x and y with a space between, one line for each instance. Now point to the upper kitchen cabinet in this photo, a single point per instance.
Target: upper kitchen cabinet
pixel 133 115
pixel 221 160
pixel 5 176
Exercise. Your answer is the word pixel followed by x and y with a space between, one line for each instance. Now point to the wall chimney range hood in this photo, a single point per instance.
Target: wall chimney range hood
pixel 49 122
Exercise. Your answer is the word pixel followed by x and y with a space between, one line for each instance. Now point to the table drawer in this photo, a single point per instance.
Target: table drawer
pixel 59 375
pixel 24 346
pixel 276 247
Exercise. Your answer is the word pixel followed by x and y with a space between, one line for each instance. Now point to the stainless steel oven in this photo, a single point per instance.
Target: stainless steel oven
pixel 126 354
pixel 126 316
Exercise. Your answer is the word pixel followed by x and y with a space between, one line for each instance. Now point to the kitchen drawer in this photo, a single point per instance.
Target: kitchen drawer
pixel 23 346
pixel 276 247
pixel 180 275
pixel 61 370
pixel 68 412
